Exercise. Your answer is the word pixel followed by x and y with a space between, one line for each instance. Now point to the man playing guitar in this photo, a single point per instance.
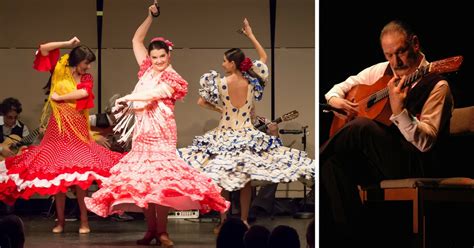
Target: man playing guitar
pixel 365 150
pixel 10 109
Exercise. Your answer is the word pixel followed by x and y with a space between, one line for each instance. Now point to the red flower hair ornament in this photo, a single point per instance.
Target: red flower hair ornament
pixel 246 65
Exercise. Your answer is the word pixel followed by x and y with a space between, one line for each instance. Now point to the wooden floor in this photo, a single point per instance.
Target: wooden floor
pixel 186 233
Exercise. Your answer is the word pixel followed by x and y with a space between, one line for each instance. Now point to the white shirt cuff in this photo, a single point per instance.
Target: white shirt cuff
pixel 403 120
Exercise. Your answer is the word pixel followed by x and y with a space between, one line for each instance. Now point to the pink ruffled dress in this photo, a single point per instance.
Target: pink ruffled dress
pixel 152 172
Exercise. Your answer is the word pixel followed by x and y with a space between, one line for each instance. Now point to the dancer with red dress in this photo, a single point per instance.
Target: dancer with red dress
pixel 67 155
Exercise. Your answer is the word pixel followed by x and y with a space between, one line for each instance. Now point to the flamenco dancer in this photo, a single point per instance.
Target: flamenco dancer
pixel 151 177
pixel 67 155
pixel 235 153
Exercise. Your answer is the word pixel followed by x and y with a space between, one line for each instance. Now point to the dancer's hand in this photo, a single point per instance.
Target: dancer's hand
pixel 120 104
pixel 55 97
pixel 153 10
pixel 101 140
pixel 246 29
pixel 121 101
pixel 74 42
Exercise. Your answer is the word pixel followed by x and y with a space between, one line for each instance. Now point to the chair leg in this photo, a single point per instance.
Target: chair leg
pixel 415 210
pixel 421 217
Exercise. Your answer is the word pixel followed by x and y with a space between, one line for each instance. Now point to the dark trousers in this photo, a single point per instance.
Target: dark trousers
pixel 363 152
pixel 265 198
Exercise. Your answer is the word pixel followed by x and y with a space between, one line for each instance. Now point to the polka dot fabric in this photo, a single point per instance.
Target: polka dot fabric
pixel 235 153
pixel 61 160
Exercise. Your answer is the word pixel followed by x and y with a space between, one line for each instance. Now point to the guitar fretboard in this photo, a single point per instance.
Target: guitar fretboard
pixel 383 93
pixel 29 138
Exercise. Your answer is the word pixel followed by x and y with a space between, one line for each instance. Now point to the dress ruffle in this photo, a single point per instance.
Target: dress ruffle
pixel 61 160
pixel 234 141
pixel 87 83
pixel 14 186
pixel 209 83
pixel 232 158
pixel 46 63
pixel 142 178
pixel 209 90
pixel 176 82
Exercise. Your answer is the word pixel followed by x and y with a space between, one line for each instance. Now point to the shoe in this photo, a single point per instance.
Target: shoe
pixel 84 230
pixel 164 240
pixel 146 240
pixel 121 218
pixel 58 228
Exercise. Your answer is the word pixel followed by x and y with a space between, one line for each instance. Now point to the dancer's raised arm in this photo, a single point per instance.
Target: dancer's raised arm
pixel 45 48
pixel 247 30
pixel 139 49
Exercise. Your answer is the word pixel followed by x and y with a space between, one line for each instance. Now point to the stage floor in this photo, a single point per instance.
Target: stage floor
pixel 186 233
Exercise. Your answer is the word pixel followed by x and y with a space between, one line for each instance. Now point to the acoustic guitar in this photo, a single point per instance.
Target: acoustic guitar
pixel 373 99
pixel 286 117
pixel 17 144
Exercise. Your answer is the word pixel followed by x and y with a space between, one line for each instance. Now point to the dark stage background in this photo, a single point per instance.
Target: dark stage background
pixel 349 40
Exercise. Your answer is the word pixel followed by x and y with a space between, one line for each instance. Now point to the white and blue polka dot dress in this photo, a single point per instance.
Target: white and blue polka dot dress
pixel 235 152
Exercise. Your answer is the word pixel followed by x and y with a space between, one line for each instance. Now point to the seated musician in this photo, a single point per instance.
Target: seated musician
pixel 364 151
pixel 11 127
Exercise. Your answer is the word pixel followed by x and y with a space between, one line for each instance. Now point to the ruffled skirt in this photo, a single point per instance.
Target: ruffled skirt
pixel 145 177
pixel 61 160
pixel 232 158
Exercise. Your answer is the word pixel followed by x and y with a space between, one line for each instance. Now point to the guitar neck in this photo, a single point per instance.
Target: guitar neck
pixel 263 126
pixel 383 93
pixel 277 120
pixel 415 76
pixel 29 138
pixel 286 117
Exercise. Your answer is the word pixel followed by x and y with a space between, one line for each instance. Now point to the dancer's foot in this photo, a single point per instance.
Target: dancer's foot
pixel 84 228
pixel 59 228
pixel 164 240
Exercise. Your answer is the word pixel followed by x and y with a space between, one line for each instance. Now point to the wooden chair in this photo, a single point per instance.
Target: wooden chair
pixel 419 191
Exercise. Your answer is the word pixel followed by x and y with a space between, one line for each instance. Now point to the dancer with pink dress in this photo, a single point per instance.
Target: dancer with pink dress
pixel 67 155
pixel 151 177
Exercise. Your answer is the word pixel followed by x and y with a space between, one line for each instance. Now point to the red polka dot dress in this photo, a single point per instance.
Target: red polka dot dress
pixel 67 155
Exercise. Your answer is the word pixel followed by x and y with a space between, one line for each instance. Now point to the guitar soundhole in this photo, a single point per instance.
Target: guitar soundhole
pixel 371 102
